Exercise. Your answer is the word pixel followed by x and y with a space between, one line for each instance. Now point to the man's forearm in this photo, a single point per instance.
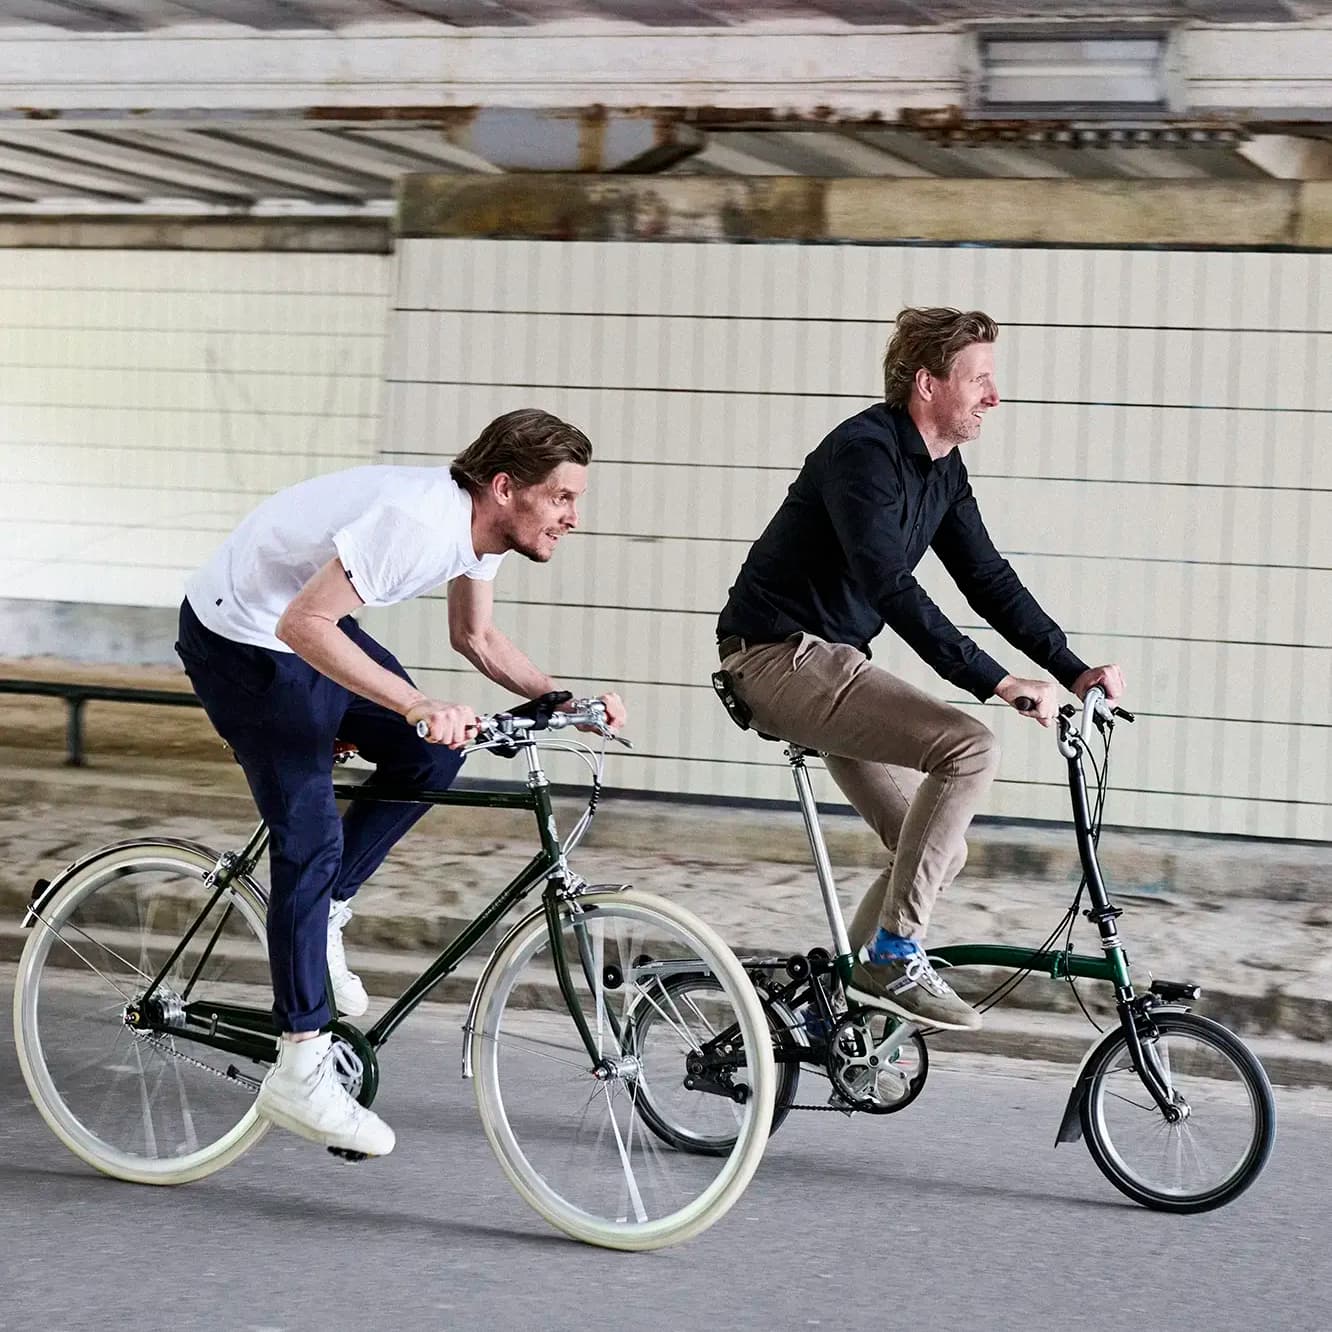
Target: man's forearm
pixel 498 659
pixel 320 642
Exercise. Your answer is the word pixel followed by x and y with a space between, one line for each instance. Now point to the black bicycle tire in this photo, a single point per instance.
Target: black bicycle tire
pixel 788 1082
pixel 1255 1079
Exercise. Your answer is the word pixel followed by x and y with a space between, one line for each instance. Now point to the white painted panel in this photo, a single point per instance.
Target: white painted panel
pixel 1159 475
pixel 148 400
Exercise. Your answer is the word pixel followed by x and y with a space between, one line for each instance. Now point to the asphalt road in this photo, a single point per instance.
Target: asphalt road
pixel 957 1212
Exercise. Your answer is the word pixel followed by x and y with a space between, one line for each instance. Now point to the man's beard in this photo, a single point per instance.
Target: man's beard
pixel 530 552
pixel 963 430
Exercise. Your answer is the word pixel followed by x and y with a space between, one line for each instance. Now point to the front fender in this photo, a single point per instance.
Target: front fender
pixel 1070 1126
pixel 469 1022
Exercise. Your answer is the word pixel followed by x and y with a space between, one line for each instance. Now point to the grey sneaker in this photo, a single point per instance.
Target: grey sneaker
pixel 912 988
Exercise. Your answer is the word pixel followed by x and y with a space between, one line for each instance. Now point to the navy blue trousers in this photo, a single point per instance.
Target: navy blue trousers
pixel 281 716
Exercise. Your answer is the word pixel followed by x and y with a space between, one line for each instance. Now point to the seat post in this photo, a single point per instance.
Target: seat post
pixel 795 756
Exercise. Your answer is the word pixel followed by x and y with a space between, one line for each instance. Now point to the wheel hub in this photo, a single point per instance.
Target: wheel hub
pixel 624 1068
pixel 163 1009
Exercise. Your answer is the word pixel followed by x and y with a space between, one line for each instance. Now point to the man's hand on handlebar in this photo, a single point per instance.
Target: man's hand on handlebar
pixel 452 724
pixel 616 715
pixel 1110 678
pixel 1033 698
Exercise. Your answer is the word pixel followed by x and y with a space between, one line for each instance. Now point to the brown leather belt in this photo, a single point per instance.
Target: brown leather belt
pixel 731 643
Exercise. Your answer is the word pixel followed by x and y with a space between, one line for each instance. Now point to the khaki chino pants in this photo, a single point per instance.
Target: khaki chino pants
pixel 915 769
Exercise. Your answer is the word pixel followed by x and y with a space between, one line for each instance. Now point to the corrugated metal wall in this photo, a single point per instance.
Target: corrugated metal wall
pixel 149 398
pixel 1160 475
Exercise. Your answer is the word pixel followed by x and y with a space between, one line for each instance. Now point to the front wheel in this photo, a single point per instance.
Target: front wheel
pixel 568 1129
pixel 1227 1123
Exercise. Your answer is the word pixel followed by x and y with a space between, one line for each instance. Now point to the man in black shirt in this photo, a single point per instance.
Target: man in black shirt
pixel 832 568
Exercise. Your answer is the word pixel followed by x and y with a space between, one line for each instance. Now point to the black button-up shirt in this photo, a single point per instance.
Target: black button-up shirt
pixel 836 560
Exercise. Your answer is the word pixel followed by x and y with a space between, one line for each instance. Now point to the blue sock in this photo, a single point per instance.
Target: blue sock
pixel 889 947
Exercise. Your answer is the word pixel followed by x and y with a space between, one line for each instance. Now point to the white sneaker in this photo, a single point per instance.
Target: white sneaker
pixel 302 1093
pixel 348 992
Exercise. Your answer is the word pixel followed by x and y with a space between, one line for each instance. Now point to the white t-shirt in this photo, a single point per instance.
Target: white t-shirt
pixel 399 532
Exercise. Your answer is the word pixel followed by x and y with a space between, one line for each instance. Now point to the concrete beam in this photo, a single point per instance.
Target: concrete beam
pixel 340 236
pixel 1060 212
pixel 1289 156
pixel 1313 227
pixel 804 70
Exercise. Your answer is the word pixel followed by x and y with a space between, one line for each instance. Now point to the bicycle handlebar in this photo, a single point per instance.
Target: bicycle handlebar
pixel 501 726
pixel 1095 710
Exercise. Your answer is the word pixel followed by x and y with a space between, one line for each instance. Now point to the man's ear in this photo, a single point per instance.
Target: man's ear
pixel 502 488
pixel 924 382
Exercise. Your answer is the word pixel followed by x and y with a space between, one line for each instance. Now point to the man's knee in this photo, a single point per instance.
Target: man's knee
pixel 985 746
pixel 972 749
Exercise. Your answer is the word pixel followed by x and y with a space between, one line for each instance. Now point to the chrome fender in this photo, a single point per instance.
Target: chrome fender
pixel 469 1022
pixel 42 896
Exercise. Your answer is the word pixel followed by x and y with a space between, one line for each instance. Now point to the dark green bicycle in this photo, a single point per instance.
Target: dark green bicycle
pixel 143 1029
pixel 1176 1111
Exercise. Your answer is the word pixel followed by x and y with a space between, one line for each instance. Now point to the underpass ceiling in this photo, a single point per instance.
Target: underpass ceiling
pixel 202 147
pixel 288 15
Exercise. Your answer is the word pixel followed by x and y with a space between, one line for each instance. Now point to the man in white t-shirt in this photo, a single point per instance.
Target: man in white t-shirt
pixel 282 668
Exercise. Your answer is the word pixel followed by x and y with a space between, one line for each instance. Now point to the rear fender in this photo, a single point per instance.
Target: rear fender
pixel 44 890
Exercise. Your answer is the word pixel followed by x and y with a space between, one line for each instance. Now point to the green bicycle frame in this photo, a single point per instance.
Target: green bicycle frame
pixel 1057 963
pixel 248 1032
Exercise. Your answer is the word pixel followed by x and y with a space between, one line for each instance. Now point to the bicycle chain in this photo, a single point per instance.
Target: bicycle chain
pixel 157 1042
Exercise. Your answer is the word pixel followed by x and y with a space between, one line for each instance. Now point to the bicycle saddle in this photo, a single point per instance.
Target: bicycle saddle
pixel 739 711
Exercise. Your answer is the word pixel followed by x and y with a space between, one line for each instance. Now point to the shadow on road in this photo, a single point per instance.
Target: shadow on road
pixel 796 1169
pixel 248 1204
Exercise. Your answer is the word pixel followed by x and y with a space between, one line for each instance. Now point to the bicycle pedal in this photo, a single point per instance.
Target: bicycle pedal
pixel 343 1154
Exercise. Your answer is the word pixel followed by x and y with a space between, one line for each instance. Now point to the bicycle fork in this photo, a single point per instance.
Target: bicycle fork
pixel 1135 1011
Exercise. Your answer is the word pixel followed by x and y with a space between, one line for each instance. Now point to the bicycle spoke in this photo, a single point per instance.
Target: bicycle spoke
pixel 631 1182
pixel 1128 1100
pixel 95 970
pixel 538 1046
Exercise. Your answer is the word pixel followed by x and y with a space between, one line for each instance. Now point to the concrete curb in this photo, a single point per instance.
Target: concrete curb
pixel 1134 861
pixel 1018 1031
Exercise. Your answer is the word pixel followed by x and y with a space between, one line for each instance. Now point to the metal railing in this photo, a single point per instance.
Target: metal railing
pixel 76 696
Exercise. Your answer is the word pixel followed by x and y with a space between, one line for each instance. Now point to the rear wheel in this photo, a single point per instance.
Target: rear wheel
pixel 107 1065
pixel 1227 1117
pixel 665 1034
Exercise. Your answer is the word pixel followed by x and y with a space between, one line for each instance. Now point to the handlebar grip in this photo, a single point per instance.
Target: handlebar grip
pixel 1024 703
pixel 423 729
